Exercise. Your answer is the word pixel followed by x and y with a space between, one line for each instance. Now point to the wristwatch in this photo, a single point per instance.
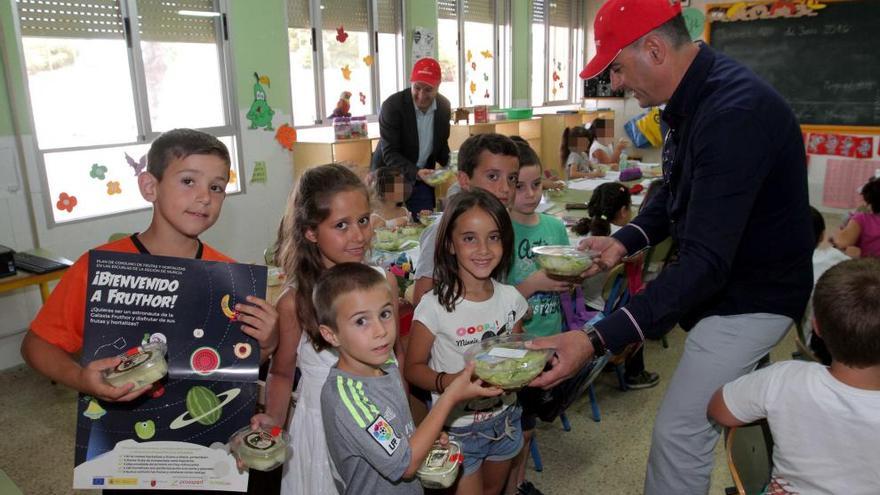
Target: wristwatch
pixel 598 346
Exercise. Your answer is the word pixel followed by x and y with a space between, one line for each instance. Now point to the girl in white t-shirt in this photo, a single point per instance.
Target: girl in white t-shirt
pixel 390 193
pixel 574 156
pixel 474 247
pixel 602 150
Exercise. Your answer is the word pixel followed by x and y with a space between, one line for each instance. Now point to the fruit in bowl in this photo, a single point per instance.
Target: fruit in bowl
pixel 427 219
pixel 506 361
pixel 562 261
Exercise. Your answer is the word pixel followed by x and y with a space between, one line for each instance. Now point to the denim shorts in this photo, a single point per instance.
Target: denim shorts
pixel 497 439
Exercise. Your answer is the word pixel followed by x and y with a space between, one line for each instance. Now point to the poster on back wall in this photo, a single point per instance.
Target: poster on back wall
pixel 174 315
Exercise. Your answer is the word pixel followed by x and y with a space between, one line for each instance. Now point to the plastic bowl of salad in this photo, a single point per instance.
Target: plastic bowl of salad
pixel 506 361
pixel 439 176
pixel 262 449
pixel 562 261
pixel 427 219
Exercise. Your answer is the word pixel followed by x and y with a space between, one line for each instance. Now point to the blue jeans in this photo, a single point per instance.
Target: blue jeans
pixel 497 439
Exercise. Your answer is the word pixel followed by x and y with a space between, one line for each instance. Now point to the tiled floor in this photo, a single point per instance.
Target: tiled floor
pixel 37 429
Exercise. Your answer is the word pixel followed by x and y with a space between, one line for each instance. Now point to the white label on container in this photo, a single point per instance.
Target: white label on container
pixel 507 352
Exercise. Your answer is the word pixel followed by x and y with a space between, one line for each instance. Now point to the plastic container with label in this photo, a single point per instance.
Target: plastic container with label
pixel 506 361
pixel 263 450
pixel 440 468
pixel 140 365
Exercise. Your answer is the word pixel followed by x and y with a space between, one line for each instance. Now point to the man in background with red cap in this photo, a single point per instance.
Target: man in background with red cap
pixel 414 131
pixel 734 197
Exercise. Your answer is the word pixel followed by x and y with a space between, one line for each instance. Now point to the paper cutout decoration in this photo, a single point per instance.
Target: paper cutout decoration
pixel 486 94
pixel 66 202
pixel 113 188
pixel 485 76
pixel 232 176
pixel 555 76
pixel 553 91
pixel 368 60
pixel 286 136
pixel 840 145
pixel 346 72
pixel 260 113
pixel 137 166
pixel 789 9
pixel 362 97
pixel 260 174
pixel 469 55
pixel 844 179
pixel 341 35
pixel 694 20
pixel 473 87
pixel 558 65
pixel 486 54
pixel 98 171
pixel 473 66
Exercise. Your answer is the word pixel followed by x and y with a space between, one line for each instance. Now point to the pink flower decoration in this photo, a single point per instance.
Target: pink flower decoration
pixel 66 202
pixel 113 188
pixel 396 271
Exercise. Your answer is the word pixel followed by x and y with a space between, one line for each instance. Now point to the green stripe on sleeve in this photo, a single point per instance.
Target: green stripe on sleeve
pixel 367 402
pixel 340 387
pixel 355 396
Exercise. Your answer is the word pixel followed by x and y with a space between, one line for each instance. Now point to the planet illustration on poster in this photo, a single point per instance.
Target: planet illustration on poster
pixel 204 360
pixel 94 410
pixel 203 406
pixel 145 430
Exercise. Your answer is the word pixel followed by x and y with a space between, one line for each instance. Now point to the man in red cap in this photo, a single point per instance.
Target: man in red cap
pixel 414 131
pixel 734 197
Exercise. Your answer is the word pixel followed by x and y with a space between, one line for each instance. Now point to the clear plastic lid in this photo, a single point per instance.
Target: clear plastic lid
pixel 440 176
pixel 140 359
pixel 440 467
pixel 563 260
pixel 506 361
pixel 262 449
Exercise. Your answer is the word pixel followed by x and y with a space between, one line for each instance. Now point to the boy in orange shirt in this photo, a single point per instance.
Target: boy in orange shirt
pixel 186 177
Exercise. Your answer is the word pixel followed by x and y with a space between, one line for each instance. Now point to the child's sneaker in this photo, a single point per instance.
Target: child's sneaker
pixel 645 379
pixel 527 488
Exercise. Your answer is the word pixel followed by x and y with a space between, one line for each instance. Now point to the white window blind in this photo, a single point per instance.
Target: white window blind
pixel 352 15
pixel 560 13
pixel 298 14
pixel 160 21
pixel 78 19
pixel 389 16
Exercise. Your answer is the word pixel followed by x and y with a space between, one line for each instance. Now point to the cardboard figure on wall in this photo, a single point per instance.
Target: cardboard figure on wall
pixel 260 113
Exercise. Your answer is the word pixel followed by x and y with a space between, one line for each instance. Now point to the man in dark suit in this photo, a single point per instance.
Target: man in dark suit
pixel 414 130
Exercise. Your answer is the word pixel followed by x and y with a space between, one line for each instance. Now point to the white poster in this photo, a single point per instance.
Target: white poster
pixel 423 43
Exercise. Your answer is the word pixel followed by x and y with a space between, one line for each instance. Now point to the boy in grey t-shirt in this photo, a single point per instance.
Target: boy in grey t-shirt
pixel 370 434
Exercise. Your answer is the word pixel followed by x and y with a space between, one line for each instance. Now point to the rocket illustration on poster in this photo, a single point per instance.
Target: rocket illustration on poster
pixel 175 325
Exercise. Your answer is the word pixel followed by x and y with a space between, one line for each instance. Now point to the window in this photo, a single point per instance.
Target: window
pixel 467 34
pixel 353 40
pixel 557 53
pixel 101 91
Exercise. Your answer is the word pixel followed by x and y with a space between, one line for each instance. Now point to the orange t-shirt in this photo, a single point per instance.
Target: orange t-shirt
pixel 61 319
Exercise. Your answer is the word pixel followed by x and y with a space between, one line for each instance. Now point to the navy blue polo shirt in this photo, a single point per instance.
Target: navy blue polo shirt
pixel 734 197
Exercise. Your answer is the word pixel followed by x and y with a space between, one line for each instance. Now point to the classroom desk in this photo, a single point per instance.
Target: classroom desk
pixel 24 279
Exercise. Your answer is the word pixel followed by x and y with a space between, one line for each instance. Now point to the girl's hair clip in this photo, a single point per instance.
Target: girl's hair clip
pixel 603 217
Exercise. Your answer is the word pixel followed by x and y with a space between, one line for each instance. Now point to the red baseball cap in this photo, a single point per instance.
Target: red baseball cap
pixel 621 22
pixel 426 70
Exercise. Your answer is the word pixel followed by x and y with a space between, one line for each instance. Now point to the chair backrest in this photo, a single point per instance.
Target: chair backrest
pixel 615 290
pixel 750 457
pixel 657 254
pixel 800 337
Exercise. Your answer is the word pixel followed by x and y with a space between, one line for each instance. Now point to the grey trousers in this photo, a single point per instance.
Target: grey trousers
pixel 718 349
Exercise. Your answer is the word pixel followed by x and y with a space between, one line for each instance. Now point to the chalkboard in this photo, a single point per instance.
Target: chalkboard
pixel 827 65
pixel 600 87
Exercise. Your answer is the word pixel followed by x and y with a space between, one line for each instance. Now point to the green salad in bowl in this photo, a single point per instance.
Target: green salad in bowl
pixel 506 362
pixel 562 261
pixel 427 219
pixel 439 176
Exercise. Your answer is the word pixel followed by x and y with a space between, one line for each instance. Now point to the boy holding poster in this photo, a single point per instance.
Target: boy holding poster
pixel 185 180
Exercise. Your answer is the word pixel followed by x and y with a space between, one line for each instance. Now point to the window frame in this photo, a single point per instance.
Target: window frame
pixel 575 54
pixel 502 80
pixel 316 20
pixel 137 77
